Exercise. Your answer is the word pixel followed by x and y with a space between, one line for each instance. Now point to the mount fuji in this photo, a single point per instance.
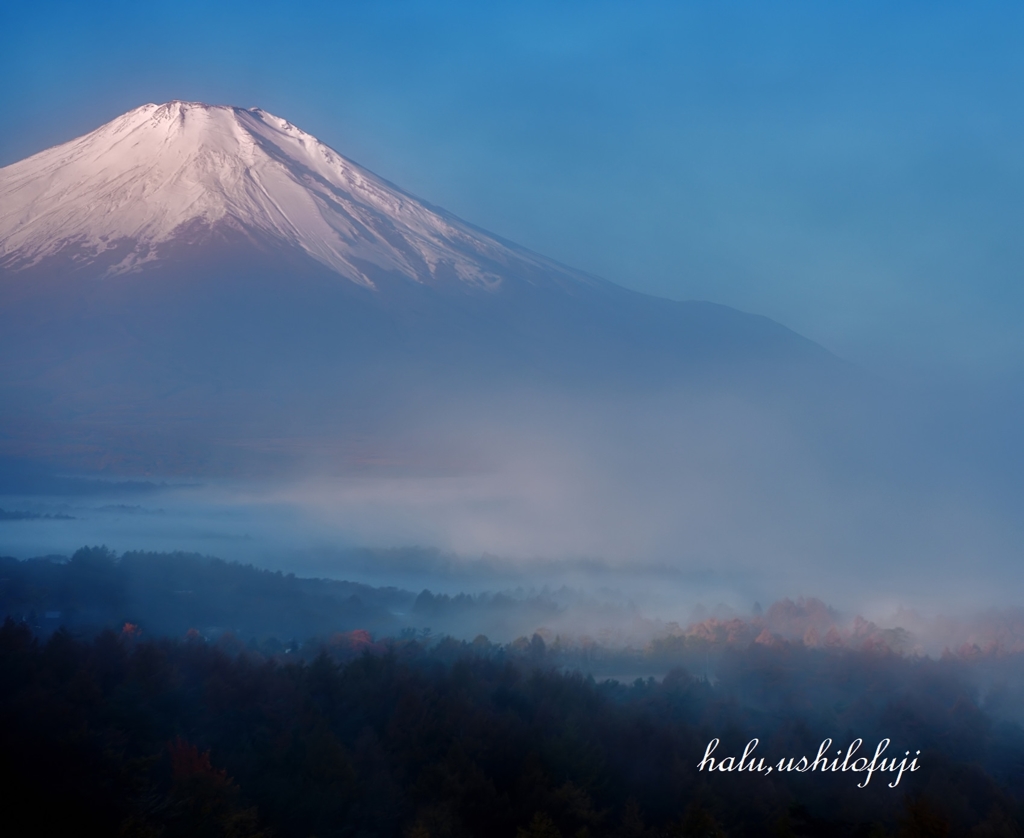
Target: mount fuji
pixel 183 174
pixel 192 279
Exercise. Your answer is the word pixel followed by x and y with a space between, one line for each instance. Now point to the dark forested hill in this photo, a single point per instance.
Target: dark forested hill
pixel 172 593
pixel 183 738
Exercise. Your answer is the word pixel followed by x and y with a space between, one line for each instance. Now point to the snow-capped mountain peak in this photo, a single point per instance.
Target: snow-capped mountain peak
pixel 134 185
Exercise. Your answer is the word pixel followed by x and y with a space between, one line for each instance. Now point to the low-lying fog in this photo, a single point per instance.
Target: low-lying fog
pixel 671 505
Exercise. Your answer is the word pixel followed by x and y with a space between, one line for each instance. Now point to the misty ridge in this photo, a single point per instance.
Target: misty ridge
pixel 179 594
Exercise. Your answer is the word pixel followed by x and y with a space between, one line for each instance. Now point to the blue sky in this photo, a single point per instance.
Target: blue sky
pixel 855 171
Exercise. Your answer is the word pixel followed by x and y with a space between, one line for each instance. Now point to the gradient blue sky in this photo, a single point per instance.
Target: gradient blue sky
pixel 855 171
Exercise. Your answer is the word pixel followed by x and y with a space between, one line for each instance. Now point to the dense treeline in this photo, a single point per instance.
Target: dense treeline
pixel 171 593
pixel 118 736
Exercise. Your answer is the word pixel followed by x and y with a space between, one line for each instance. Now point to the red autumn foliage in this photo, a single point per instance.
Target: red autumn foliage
pixel 187 761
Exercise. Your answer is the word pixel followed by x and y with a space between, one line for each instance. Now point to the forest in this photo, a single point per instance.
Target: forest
pixel 123 729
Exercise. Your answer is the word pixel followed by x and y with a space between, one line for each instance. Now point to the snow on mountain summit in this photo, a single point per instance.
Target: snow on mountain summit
pixel 139 181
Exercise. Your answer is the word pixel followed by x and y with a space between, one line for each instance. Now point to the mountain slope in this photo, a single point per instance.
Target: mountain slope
pixel 189 276
pixel 179 171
